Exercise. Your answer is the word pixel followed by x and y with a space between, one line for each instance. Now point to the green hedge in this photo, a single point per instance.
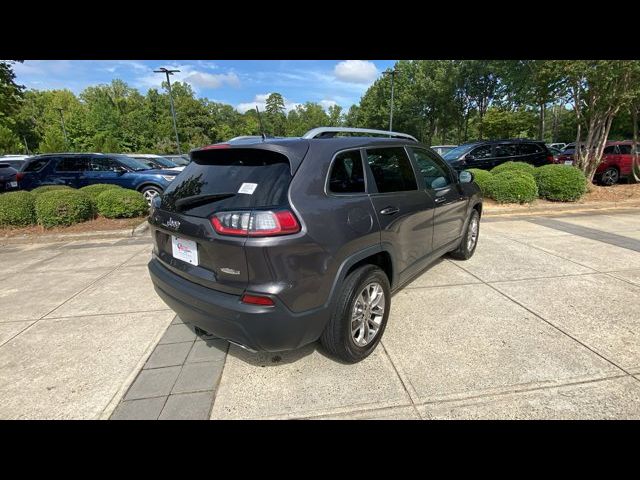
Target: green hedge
pixel 121 203
pixel 63 207
pixel 17 209
pixel 514 166
pixel 48 188
pixel 97 188
pixel 512 187
pixel 482 178
pixel 562 183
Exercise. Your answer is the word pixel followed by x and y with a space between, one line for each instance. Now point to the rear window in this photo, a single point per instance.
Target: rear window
pixel 347 175
pixel 529 148
pixel 36 165
pixel 72 164
pixel 228 179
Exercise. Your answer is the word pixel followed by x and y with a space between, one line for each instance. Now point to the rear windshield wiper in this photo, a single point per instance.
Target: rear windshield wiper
pixel 199 199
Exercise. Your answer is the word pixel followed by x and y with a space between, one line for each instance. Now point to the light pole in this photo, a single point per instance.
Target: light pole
pixel 64 130
pixel 173 111
pixel 393 74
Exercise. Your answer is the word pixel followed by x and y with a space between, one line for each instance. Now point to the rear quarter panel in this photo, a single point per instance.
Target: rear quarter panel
pixel 334 227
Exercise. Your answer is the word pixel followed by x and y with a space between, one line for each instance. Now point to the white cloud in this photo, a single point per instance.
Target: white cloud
pixel 356 71
pixel 328 103
pixel 261 101
pixel 209 80
pixel 191 75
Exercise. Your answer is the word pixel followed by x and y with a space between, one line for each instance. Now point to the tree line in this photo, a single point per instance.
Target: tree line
pixel 438 101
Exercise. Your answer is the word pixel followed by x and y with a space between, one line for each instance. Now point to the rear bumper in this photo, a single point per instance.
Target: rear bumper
pixel 259 328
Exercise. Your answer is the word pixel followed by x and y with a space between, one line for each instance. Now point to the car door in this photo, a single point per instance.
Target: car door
pixel 68 170
pixel 101 170
pixel 404 212
pixel 504 152
pixel 625 160
pixel 441 184
pixel 480 157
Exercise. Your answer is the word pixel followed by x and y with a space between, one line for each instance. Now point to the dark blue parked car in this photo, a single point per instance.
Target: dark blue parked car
pixel 81 169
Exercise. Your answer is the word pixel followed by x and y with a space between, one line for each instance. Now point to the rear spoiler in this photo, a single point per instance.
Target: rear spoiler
pixel 5 165
pixel 295 151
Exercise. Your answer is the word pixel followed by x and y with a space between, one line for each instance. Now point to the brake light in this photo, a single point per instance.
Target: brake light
pixel 255 223
pixel 257 300
pixel 550 158
pixel 216 146
pixel 19 176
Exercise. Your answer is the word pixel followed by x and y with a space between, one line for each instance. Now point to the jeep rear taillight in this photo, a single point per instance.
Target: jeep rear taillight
pixel 256 223
pixel 19 176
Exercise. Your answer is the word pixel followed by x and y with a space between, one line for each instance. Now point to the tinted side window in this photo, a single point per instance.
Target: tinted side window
pixel 624 149
pixel 391 169
pixel 481 152
pixel 528 149
pixel 433 173
pixel 609 150
pixel 37 165
pixel 506 150
pixel 71 164
pixel 102 164
pixel 347 174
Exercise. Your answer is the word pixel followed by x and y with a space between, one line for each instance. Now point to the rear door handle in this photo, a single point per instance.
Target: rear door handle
pixel 440 199
pixel 389 211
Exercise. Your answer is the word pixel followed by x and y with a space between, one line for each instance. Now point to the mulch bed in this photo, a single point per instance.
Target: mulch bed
pixel 97 225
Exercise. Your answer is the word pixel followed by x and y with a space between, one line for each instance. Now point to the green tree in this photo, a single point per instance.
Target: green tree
pixel 275 115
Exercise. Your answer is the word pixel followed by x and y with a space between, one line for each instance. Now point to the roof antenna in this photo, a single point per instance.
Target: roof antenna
pixel 260 122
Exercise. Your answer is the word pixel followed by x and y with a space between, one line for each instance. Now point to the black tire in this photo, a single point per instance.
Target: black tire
pixel 150 191
pixel 609 177
pixel 463 252
pixel 337 337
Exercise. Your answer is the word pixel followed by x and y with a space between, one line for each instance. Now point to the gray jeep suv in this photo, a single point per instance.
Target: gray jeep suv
pixel 275 243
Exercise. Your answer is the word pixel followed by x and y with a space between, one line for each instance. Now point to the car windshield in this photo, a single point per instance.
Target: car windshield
pixel 456 153
pixel 161 161
pixel 180 161
pixel 132 163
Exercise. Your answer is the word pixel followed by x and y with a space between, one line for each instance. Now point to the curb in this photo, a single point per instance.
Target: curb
pixel 140 230
pixel 558 209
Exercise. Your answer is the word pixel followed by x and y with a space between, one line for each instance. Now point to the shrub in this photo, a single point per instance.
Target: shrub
pixel 481 177
pixel 63 207
pixel 121 203
pixel 563 183
pixel 514 166
pixel 48 188
pixel 512 187
pixel 17 209
pixel 97 188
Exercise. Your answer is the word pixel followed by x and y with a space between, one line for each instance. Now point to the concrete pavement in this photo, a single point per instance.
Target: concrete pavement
pixel 543 322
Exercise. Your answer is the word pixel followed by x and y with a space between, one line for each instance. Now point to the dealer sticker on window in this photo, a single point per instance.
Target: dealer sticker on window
pixel 248 188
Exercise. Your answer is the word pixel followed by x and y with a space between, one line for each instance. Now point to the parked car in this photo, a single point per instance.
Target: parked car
pixel 616 164
pixel 80 169
pixel 180 160
pixel 275 244
pixel 555 152
pixel 442 149
pixel 8 177
pixel 559 146
pixel 487 154
pixel 156 161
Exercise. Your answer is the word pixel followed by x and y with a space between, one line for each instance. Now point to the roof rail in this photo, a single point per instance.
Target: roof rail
pixel 331 131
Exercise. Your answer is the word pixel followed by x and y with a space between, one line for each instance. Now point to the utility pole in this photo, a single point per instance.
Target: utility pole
pixel 64 130
pixel 393 74
pixel 168 72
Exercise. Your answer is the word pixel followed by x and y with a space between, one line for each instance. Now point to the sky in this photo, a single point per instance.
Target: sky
pixel 240 83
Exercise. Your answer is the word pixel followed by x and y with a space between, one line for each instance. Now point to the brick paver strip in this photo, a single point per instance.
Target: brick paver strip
pixel 591 233
pixel 179 379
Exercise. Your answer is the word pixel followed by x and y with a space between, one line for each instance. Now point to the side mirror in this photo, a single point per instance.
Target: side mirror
pixel 465 176
pixel 469 158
